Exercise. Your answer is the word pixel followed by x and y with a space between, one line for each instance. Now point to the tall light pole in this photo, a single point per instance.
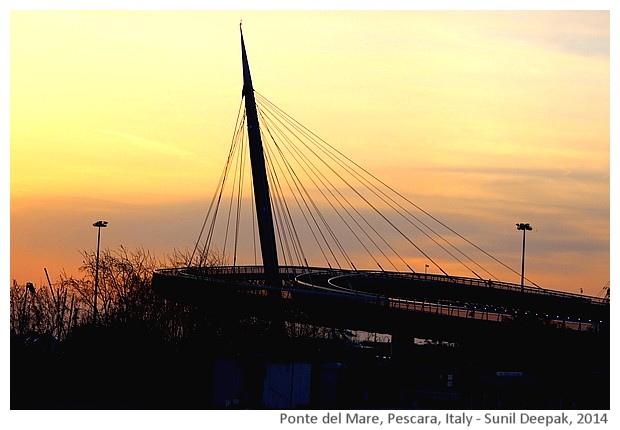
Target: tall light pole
pixel 98 224
pixel 525 227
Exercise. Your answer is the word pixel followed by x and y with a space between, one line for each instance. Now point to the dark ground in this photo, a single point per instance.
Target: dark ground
pixel 129 367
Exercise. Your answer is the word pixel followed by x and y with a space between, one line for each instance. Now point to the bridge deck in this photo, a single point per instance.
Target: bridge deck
pixel 378 301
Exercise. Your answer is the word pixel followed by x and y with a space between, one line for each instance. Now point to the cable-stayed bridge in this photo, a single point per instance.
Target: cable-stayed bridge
pixel 298 231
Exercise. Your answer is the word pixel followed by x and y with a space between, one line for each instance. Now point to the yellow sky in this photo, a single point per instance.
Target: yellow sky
pixel 483 118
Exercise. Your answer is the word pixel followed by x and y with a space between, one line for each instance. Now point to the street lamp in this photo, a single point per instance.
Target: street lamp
pixel 525 227
pixel 98 224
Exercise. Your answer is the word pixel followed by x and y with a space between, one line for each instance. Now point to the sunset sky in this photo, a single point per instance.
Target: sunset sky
pixel 484 119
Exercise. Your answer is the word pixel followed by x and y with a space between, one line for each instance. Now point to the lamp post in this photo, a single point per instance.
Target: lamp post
pixel 98 224
pixel 525 227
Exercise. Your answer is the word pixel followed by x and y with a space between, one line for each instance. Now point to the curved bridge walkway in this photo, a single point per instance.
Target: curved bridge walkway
pixel 404 293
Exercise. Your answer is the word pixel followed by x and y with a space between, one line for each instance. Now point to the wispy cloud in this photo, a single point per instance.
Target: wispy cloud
pixel 154 146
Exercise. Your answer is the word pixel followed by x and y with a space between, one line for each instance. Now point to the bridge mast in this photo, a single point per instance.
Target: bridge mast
pixel 259 177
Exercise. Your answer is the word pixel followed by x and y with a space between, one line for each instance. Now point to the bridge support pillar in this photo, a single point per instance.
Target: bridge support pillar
pixel 402 346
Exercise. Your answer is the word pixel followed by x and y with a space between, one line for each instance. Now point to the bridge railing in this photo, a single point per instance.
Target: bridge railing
pixel 287 293
pixel 483 284
pixel 458 311
pixel 485 313
pixel 291 272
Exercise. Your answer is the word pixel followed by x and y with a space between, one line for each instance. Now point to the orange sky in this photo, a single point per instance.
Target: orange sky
pixel 491 118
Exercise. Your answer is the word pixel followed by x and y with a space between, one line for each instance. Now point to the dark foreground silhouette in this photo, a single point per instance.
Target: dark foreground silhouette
pixel 128 366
